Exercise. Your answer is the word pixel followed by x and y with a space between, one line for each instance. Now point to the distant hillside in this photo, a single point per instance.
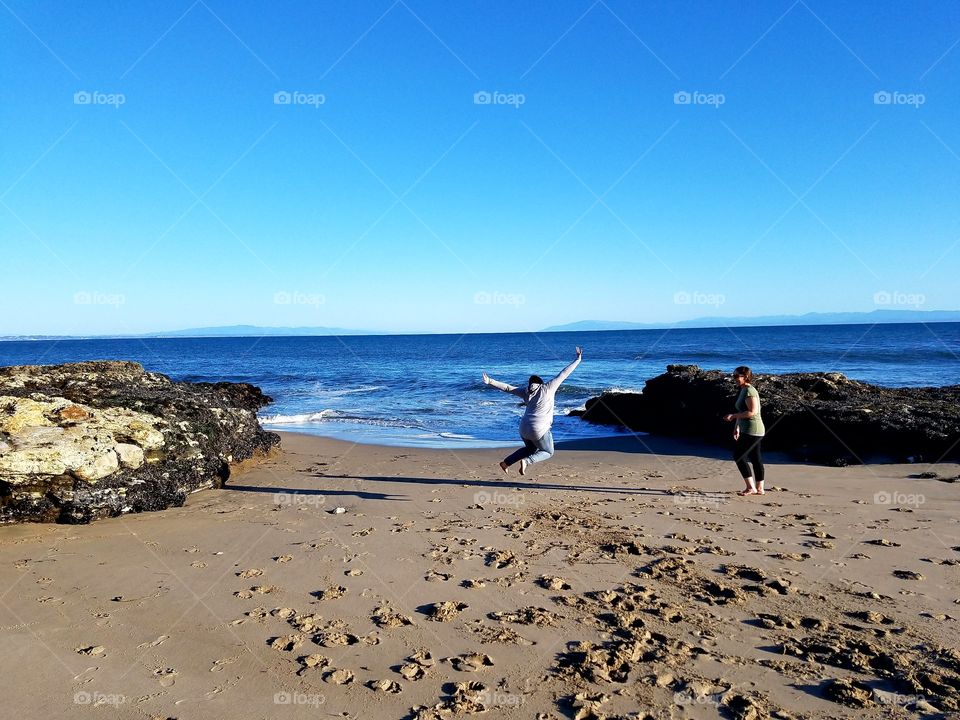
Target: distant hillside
pixel 256 331
pixel 849 318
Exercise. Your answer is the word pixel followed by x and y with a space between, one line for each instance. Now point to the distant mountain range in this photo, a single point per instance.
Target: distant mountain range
pixel 846 318
pixel 220 331
pixel 850 318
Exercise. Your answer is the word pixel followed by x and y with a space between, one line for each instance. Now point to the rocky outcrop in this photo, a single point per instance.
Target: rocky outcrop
pixel 89 440
pixel 821 417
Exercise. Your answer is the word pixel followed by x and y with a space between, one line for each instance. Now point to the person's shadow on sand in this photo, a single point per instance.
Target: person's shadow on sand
pixel 495 484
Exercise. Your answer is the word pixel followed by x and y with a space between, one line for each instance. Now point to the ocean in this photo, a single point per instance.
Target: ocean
pixel 426 390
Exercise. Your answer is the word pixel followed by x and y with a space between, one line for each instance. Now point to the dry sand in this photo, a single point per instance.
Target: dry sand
pixel 609 582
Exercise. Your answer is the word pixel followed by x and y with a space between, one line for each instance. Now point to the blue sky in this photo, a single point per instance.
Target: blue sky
pixel 629 161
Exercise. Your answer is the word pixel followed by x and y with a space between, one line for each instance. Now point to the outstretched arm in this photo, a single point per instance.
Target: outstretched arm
pixel 565 373
pixel 487 380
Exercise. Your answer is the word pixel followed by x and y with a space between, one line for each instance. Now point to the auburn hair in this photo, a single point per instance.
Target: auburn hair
pixel 746 372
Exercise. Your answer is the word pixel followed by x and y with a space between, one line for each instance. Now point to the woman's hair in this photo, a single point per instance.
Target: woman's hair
pixel 535 380
pixel 744 371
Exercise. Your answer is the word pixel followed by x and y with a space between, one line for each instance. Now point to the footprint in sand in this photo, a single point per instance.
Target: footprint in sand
pixel 264 589
pixel 252 572
pixel 908 575
pixel 167 676
pixel 339 677
pixel 417 665
pixel 243 594
pixel 90 650
pixel 386 618
pixel 470 662
pixel 314 661
pixel 553 583
pixel 331 593
pixel 218 665
pixel 353 573
pixel 283 558
pixel 386 686
pixel 444 611
pixel 198 564
pixel 154 643
pixel 287 643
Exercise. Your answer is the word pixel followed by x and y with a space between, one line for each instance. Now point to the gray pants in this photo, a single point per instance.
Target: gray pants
pixel 533 451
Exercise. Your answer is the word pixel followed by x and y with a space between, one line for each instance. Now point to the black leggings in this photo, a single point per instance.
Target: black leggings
pixel 748 448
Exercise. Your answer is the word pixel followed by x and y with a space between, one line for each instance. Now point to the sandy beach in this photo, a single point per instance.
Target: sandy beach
pixel 624 578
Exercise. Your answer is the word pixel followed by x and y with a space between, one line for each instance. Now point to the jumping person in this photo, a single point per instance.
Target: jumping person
pixel 535 425
pixel 748 432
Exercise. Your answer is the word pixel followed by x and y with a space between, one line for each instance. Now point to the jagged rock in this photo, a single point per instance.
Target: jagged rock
pixel 84 441
pixel 823 417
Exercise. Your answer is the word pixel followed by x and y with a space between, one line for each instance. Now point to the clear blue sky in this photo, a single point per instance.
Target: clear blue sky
pixel 400 203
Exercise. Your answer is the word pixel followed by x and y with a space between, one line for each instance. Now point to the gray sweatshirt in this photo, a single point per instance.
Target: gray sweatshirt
pixel 538 416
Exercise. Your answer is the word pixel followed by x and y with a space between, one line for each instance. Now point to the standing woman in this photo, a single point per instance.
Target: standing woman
pixel 537 419
pixel 748 432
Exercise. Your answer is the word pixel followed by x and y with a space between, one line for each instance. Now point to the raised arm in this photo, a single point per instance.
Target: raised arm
pixel 565 373
pixel 487 380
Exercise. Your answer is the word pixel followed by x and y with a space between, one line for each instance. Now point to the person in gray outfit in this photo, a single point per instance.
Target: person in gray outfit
pixel 535 425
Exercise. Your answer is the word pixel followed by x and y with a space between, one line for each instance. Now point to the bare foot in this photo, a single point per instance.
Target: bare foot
pixel 749 491
pixel 523 467
pixel 504 466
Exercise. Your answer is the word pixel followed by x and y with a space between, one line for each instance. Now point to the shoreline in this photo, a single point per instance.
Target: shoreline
pixel 442 572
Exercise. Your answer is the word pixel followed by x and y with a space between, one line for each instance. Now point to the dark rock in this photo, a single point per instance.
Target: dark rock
pixel 89 440
pixel 822 417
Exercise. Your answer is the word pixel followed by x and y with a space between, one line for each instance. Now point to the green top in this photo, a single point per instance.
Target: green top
pixel 752 425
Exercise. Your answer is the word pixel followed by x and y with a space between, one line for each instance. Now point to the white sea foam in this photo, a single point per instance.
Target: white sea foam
pixel 300 419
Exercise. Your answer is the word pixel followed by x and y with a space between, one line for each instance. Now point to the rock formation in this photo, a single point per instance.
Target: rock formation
pixel 89 440
pixel 822 417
